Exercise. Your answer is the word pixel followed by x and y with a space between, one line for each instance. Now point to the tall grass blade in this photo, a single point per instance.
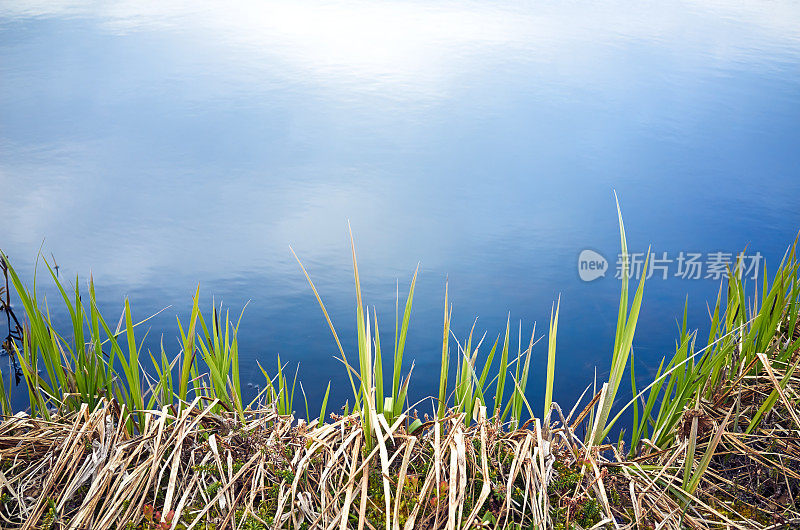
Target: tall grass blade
pixel 551 358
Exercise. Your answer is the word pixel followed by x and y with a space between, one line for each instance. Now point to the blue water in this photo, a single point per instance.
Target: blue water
pixel 159 145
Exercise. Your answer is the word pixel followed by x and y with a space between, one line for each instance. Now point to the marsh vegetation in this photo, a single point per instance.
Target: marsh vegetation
pixel 116 437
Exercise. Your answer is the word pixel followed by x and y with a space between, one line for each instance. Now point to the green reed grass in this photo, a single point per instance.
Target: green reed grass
pixel 551 359
pixel 92 362
pixel 623 338
pixel 739 332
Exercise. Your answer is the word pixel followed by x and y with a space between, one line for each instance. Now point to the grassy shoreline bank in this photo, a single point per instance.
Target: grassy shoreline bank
pixel 714 440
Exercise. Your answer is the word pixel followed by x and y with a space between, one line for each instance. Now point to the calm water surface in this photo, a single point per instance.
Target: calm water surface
pixel 162 144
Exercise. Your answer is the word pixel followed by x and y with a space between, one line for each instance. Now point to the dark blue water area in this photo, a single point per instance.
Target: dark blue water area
pixel 164 146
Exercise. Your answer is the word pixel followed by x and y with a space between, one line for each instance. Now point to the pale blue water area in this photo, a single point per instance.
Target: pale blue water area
pixel 162 144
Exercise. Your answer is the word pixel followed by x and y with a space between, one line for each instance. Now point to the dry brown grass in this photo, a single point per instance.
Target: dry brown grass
pixel 205 470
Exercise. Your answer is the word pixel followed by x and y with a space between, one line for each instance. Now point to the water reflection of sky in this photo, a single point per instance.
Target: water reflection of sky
pixel 161 144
